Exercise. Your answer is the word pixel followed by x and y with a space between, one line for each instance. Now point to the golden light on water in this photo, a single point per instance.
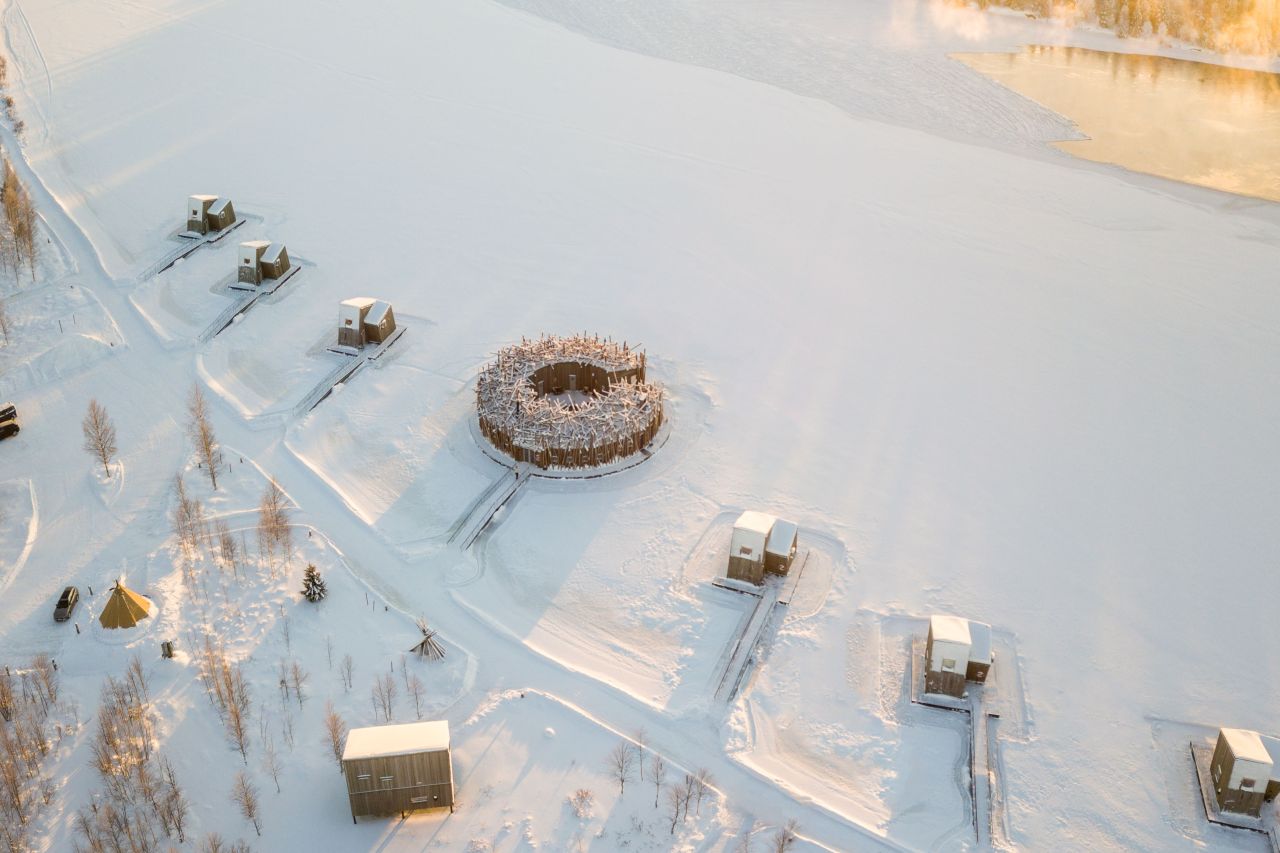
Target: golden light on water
pixel 1203 124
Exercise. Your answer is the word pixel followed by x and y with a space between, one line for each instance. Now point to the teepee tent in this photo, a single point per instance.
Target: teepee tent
pixel 125 609
pixel 429 648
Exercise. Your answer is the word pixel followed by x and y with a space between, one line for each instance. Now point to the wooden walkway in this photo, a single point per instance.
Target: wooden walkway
pixel 188 247
pixel 473 522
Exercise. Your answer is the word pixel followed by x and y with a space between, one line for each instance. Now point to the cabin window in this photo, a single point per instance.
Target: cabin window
pixel 348 322
pixel 387 780
pixel 1217 772
pixel 744 551
pixel 1247 783
pixel 948 663
pixel 363 777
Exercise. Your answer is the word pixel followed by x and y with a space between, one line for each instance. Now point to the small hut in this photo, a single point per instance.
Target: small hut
pixel 221 215
pixel 761 543
pixel 250 267
pixel 981 655
pixel 197 212
pixel 1244 772
pixel 380 322
pixel 362 320
pixel 207 213
pixel 274 261
pixel 125 608
pixel 947 655
pixel 398 768
pixel 260 259
pixel 351 314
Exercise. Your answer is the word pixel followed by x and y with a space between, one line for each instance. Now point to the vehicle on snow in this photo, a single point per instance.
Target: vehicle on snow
pixel 66 603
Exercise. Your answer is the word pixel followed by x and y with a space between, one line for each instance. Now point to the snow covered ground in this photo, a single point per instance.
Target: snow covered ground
pixel 985 378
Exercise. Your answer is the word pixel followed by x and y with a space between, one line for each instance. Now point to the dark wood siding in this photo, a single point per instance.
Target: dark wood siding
pixel 1232 799
pixel 977 671
pixel 946 683
pixel 743 569
pixel 400 783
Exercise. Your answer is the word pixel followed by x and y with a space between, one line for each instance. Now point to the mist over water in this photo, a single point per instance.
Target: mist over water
pixel 1203 124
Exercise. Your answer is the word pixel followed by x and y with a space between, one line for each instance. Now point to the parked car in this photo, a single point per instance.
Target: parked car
pixel 8 428
pixel 66 603
pixel 8 412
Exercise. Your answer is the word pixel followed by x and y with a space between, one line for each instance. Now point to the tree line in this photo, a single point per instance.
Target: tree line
pixel 1243 26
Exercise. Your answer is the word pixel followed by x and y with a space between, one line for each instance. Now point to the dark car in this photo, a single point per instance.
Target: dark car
pixel 66 603
pixel 8 412
pixel 8 428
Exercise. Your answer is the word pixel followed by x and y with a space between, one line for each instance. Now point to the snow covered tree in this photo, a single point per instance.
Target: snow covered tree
pixel 336 728
pixel 313 588
pixel 99 435
pixel 4 323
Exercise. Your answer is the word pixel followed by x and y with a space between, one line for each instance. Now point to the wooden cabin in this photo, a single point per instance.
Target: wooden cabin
pixel 956 651
pixel 363 320
pixel 380 322
pixel 396 769
pixel 249 268
pixel 761 543
pixel 221 215
pixel 274 262
pixel 351 314
pixel 1244 771
pixel 207 213
pixel 197 212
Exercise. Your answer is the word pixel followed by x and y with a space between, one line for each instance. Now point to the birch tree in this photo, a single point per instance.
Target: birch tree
pixel 99 435
pixel 201 432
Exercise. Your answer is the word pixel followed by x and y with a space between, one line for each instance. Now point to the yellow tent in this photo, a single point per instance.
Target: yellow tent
pixel 125 609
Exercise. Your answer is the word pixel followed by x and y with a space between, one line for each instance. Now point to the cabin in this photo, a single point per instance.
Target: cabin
pixel 351 314
pixel 398 768
pixel 956 651
pixel 261 260
pixel 380 322
pixel 197 212
pixel 363 320
pixel 761 543
pixel 1244 771
pixel 250 267
pixel 207 213
pixel 274 262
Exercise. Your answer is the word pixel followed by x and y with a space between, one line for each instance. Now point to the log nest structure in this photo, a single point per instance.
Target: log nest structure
pixel 568 402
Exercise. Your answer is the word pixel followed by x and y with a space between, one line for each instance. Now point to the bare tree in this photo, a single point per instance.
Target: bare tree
pixel 99 435
pixel 639 738
pixel 201 431
pixel 675 805
pixel 336 728
pixel 384 695
pixel 297 677
pixel 348 672
pixel 416 689
pixel 620 762
pixel 275 535
pixel 271 762
pixel 228 551
pixel 702 782
pixel 245 796
pixel 4 323
pixel 328 650
pixel 174 803
pixel 657 770
pixel 785 838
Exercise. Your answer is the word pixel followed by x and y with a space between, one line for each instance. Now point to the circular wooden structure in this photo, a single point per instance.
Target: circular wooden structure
pixel 568 402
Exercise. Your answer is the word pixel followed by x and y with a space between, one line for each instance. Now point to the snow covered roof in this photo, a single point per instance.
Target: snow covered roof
pixel 1246 745
pixel 950 629
pixel 405 739
pixel 219 205
pixel 781 536
pixel 756 522
pixel 203 198
pixel 378 312
pixel 980 634
pixel 358 301
pixel 273 252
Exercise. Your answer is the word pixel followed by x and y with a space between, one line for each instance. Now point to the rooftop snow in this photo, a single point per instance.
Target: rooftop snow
pixel 378 312
pixel 950 629
pixel 757 522
pixel 980 634
pixel 406 739
pixel 219 205
pixel 273 252
pixel 781 536
pixel 1247 745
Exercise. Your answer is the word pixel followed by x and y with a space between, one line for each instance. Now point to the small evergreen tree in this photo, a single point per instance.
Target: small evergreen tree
pixel 313 588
